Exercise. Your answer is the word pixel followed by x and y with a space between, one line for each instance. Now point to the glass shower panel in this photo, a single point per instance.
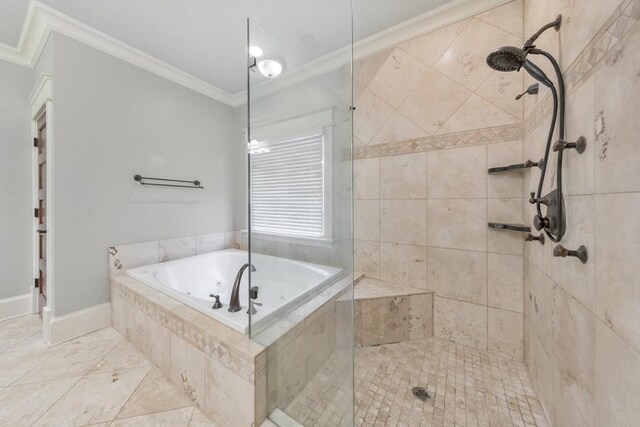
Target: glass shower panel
pixel 300 210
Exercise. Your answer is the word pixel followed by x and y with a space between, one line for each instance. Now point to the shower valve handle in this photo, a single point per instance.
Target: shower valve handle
pixel 580 145
pixel 531 238
pixel 542 200
pixel 580 253
pixel 540 222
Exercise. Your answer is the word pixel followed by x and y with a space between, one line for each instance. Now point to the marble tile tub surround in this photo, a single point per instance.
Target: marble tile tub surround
pixel 230 377
pixel 97 379
pixel 218 369
pixel 431 117
pixel 582 333
pixel 123 257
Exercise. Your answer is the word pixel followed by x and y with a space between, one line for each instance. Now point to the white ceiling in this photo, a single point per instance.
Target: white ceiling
pixel 207 38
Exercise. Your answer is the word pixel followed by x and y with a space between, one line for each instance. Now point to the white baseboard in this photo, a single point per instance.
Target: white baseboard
pixel 76 324
pixel 15 306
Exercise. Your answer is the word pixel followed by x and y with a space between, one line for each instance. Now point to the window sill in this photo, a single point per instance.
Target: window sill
pixel 305 241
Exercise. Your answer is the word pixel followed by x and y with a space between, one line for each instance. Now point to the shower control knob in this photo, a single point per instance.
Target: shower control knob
pixel 542 200
pixel 540 222
pixel 580 253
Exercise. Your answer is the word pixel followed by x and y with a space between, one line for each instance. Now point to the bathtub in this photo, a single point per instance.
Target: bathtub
pixel 283 284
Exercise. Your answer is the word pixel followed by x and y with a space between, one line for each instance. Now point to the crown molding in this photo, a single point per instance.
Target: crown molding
pixel 41 20
pixel 432 20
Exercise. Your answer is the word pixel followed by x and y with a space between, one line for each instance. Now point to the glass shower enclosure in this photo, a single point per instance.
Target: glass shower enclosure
pixel 300 210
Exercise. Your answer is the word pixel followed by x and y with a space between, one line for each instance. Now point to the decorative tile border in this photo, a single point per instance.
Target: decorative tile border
pixel 613 33
pixel 199 330
pixel 442 142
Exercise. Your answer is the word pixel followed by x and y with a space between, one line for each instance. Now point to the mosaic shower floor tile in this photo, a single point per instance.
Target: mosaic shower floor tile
pixel 465 387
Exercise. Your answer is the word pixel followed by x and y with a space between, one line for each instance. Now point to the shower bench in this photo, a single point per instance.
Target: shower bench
pixel 388 312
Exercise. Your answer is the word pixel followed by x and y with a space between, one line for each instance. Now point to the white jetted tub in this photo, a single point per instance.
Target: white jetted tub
pixel 283 284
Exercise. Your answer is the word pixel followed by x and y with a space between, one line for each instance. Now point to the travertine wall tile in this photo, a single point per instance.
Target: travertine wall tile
pixel 403 263
pixel 367 258
pixel 581 320
pixel 457 174
pixel 460 275
pixel 505 333
pixel 433 115
pixel 367 227
pixel 403 176
pixel 617 255
pixel 462 322
pixel 403 221
pixel 457 223
pixel 366 179
pixel 505 282
pixel 617 379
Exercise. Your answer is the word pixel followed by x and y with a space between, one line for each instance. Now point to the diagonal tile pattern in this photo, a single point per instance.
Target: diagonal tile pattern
pixel 437 83
pixel 97 379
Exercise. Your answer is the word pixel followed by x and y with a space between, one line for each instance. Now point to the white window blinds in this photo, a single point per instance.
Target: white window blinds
pixel 287 186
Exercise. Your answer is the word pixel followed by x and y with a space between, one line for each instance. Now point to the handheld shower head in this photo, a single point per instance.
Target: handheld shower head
pixel 510 58
pixel 507 58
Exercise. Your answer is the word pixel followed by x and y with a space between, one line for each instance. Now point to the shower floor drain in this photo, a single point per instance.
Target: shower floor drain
pixel 421 393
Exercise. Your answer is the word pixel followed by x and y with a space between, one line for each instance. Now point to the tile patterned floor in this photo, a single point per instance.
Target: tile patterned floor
pixel 98 379
pixel 467 388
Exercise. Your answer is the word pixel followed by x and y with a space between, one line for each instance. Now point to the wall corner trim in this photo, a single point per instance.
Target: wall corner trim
pixel 73 325
pixel 15 306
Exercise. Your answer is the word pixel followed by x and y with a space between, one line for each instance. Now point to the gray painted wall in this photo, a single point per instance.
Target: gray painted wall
pixel 15 181
pixel 113 120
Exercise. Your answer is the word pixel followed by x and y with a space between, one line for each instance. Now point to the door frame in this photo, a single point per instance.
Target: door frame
pixel 41 101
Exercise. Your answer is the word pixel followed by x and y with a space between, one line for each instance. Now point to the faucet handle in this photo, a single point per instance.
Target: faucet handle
pixel 217 304
pixel 253 292
pixel 580 253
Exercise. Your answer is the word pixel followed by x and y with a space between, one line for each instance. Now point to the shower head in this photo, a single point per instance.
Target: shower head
pixel 507 58
pixel 511 58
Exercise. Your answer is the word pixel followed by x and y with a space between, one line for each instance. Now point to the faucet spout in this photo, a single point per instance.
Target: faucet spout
pixel 234 301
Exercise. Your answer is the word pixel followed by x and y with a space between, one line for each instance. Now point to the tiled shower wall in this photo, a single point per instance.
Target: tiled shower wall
pixel 430 118
pixel 582 322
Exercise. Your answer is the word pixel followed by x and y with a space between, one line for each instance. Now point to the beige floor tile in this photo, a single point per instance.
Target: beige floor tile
pixel 11 338
pixel 22 405
pixel 103 334
pixel 199 419
pixel 69 360
pixel 94 399
pixel 173 418
pixel 124 356
pixel 152 395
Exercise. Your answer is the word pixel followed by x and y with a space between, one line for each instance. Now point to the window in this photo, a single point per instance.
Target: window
pixel 290 183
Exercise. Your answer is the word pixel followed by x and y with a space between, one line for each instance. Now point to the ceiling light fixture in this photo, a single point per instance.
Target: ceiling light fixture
pixel 255 51
pixel 270 68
